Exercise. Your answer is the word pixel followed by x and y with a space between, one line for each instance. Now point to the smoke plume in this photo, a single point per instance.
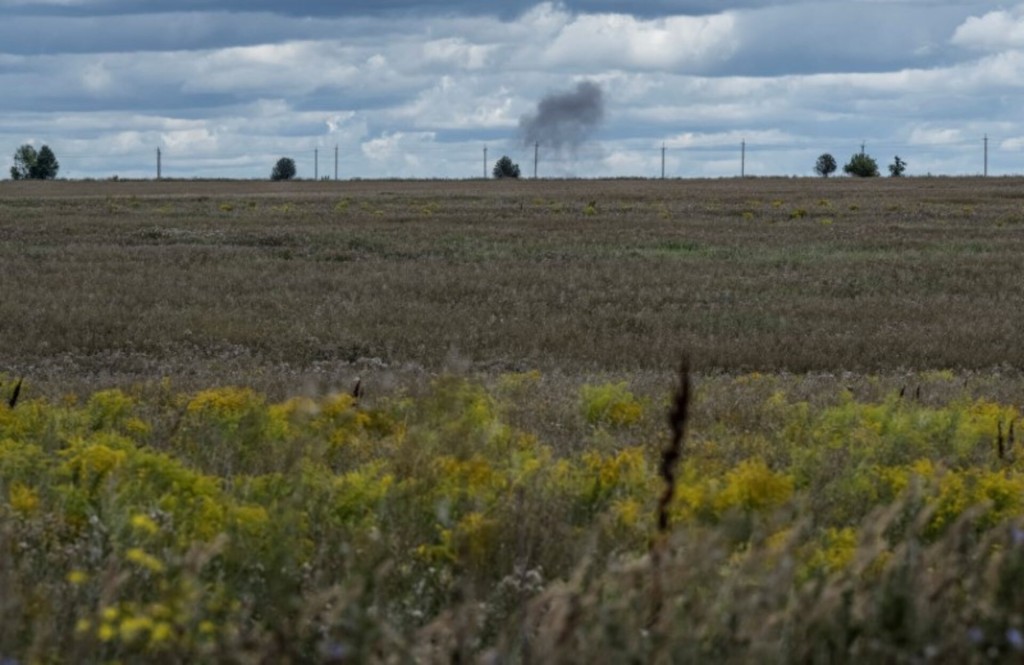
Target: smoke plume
pixel 566 119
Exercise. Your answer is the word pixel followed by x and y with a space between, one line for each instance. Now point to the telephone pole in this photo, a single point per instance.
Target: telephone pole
pixel 536 154
pixel 158 174
pixel 986 155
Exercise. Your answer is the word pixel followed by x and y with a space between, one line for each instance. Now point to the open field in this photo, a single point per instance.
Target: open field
pixel 113 282
pixel 186 478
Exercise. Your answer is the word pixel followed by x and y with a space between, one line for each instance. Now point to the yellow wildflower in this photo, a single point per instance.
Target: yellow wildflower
pixel 144 523
pixel 137 556
pixel 23 499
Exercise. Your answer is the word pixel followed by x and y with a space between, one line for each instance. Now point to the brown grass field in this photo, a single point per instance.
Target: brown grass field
pixel 280 284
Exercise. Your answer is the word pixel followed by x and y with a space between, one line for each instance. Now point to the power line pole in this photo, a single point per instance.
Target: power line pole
pixel 986 155
pixel 536 154
pixel 662 161
pixel 743 158
pixel 485 162
pixel 158 173
pixel 335 162
pixel 316 163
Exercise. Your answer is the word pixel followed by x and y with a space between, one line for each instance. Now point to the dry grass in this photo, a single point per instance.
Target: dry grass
pixel 287 286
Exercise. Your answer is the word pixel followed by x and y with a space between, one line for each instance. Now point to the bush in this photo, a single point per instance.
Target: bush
pixel 862 166
pixel 284 169
pixel 506 168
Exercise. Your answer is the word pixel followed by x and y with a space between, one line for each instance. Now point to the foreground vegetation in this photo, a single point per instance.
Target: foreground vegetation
pixel 188 475
pixel 220 526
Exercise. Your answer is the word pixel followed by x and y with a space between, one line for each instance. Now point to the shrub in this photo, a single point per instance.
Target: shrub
pixel 505 168
pixel 862 166
pixel 610 404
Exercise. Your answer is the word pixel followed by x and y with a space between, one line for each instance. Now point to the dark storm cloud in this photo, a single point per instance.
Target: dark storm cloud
pixel 565 119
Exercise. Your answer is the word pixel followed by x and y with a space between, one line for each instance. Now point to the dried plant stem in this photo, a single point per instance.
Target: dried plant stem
pixel 669 458
pixel 14 395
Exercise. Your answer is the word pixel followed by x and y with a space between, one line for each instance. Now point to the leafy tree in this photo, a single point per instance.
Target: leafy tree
pixel 826 165
pixel 284 169
pixel 32 165
pixel 46 165
pixel 897 168
pixel 862 166
pixel 505 168
pixel 24 160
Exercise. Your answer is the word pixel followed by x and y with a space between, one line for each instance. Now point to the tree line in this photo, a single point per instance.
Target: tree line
pixel 860 165
pixel 30 164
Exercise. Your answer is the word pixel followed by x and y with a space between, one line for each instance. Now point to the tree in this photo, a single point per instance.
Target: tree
pixel 505 168
pixel 32 165
pixel 826 165
pixel 862 166
pixel 284 169
pixel 46 165
pixel 897 168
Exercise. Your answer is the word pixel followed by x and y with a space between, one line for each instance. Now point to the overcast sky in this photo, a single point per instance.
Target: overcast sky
pixel 418 89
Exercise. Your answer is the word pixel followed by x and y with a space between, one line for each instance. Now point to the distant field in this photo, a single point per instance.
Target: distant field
pixel 257 282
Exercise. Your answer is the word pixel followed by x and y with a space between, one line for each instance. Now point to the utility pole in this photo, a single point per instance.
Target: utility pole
pixel 485 162
pixel 743 158
pixel 158 174
pixel 335 162
pixel 986 155
pixel 862 147
pixel 316 163
pixel 536 154
pixel 662 161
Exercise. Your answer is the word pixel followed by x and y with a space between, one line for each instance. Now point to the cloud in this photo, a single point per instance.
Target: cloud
pixel 993 31
pixel 624 41
pixel 412 89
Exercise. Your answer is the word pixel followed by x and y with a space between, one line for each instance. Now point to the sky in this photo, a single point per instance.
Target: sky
pixel 422 89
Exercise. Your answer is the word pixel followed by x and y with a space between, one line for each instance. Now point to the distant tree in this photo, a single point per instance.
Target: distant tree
pixel 826 165
pixel 24 160
pixel 46 165
pixel 505 168
pixel 284 169
pixel 862 166
pixel 32 165
pixel 897 168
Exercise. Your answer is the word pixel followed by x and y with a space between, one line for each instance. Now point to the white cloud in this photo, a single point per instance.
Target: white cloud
pixel 457 53
pixel 993 31
pixel 623 41
pixel 935 136
pixel 731 138
pixel 458 103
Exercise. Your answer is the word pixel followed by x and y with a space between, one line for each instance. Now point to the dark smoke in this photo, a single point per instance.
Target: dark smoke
pixel 566 119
